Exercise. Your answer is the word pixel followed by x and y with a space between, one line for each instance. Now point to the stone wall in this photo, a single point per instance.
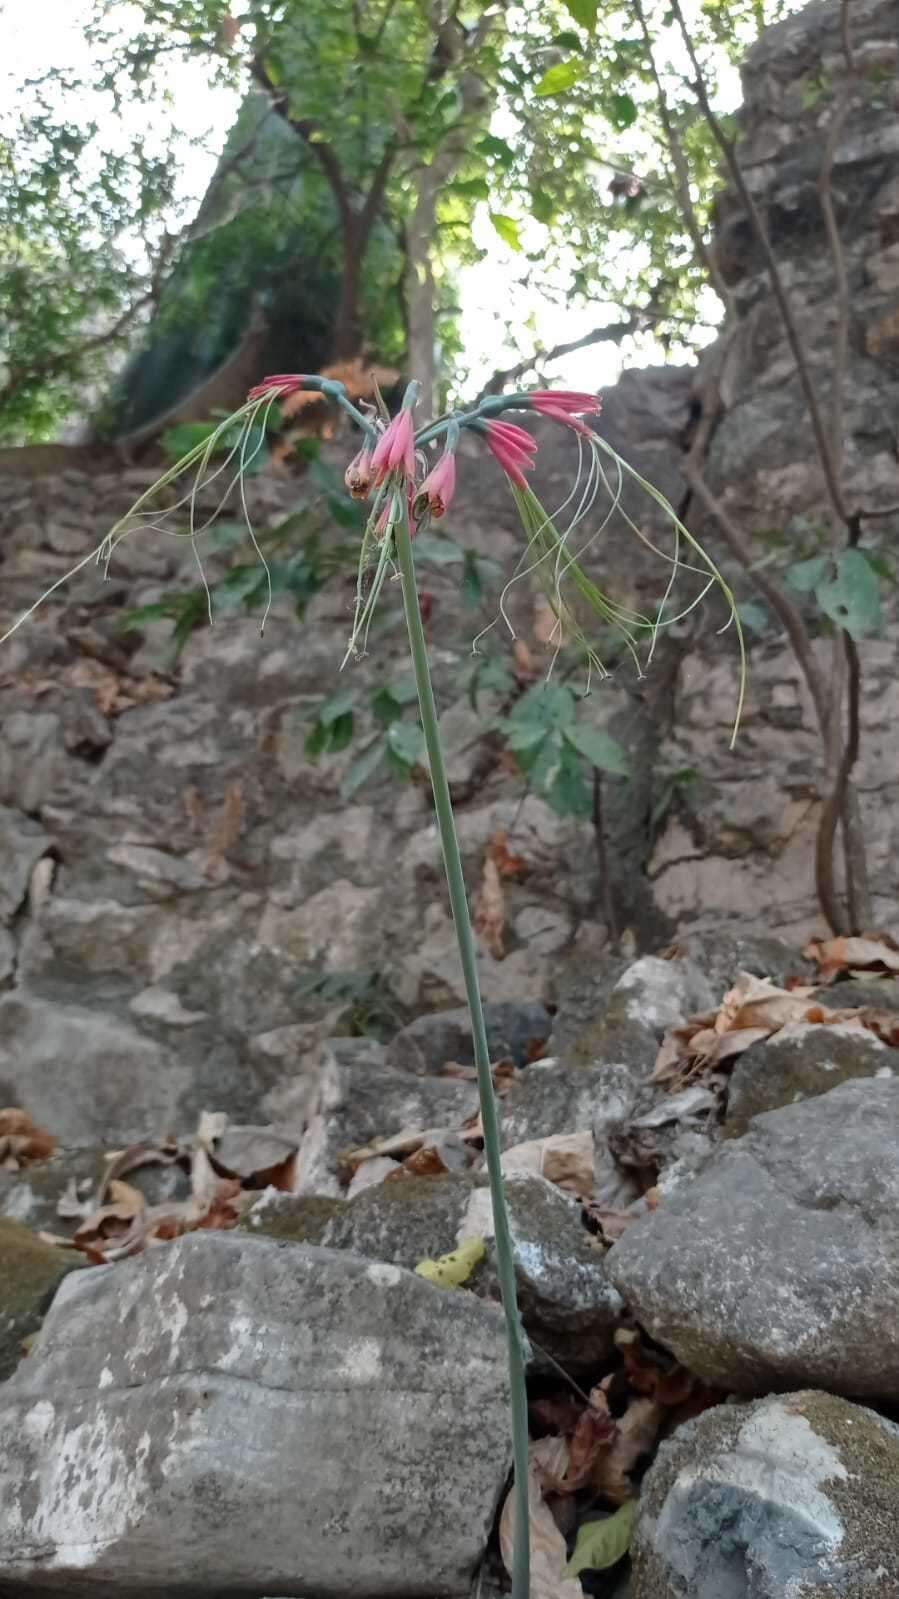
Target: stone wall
pixel 176 866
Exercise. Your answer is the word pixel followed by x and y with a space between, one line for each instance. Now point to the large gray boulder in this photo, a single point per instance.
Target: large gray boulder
pixel 567 1304
pixel 234 1416
pixel 800 1061
pixel 792 1496
pixel 776 1266
pixel 622 1015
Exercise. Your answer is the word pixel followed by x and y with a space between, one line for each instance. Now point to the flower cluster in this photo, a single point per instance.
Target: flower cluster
pixel 392 451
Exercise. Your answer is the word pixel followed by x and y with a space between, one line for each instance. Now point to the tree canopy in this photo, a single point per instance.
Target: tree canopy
pixel 370 133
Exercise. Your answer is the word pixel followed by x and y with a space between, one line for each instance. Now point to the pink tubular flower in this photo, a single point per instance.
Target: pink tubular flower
pixel 278 384
pixel 395 449
pixel 512 448
pixel 571 401
pixel 359 475
pixel 514 436
pixel 567 420
pixel 439 486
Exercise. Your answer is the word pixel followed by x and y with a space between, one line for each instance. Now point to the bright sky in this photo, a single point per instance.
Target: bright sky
pixel 40 34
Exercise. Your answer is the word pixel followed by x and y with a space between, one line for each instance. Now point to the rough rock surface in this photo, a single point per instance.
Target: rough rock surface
pixel 515 1032
pixel 775 1267
pixel 798 1062
pixel 793 1495
pixel 354 1104
pixel 235 1416
pixel 567 1303
pixel 625 1019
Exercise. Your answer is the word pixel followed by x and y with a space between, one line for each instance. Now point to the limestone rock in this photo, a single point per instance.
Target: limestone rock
pixel 797 1494
pixel 775 1266
pixel 354 1104
pixel 22 843
pixel 429 1042
pixel 567 1303
pixel 798 1062
pixel 553 1097
pixel 647 997
pixel 235 1415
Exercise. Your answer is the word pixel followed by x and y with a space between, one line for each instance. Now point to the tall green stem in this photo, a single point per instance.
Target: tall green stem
pixel 452 863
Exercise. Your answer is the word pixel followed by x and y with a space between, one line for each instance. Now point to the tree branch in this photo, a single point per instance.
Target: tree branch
pixel 613 331
pixel 305 127
pixel 682 172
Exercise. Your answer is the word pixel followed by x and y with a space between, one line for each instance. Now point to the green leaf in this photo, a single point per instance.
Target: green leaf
pixel 336 706
pixel 363 768
pixel 406 743
pixel 754 617
pixel 542 207
pixel 403 689
pixel 622 111
pixel 564 75
pixel 179 440
pixel 469 188
pixel 522 736
pixel 583 11
pixel 316 740
pixel 552 704
pixel 601 1544
pixel 567 791
pixel 507 228
pixel 498 148
pixel 602 751
pixel 852 598
pixel 567 40
pixel 491 676
pixel 479 569
pixel 437 549
pixel 804 576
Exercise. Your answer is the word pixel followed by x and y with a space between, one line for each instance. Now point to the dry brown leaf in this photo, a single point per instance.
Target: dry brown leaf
pixel 557 1412
pixel 525 667
pixel 138 1155
pixel 22 1142
pixel 756 1002
pixel 609 1223
pixel 507 863
pixel 548 1457
pixel 875 951
pixel 593 1436
pixel 426 1162
pixel 650 1374
pixel 490 910
pixel 565 1159
pixel 397 1147
pixel 548 626
pixel 113 1220
pixel 256 1156
pixel 635 1436
pixel 227 831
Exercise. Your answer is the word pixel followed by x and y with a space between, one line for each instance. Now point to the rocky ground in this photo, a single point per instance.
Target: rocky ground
pixel 238 1112
pixel 273 1360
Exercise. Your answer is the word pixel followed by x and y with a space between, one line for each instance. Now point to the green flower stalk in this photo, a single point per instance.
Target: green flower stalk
pixel 405 489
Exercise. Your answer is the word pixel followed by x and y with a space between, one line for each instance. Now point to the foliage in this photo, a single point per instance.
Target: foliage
pixel 301 557
pixel 552 745
pixel 345 106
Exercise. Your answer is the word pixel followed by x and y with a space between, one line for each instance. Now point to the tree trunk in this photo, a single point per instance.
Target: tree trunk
pixel 347 341
pixel 420 307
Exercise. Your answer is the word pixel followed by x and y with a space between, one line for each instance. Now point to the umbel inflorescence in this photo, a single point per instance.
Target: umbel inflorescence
pixel 396 471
